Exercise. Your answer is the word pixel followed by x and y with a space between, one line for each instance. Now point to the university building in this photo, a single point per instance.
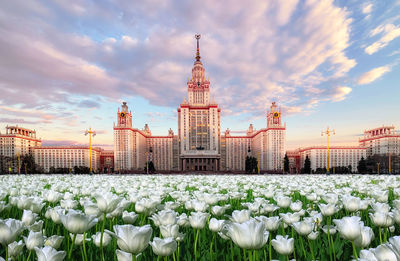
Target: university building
pixel 199 144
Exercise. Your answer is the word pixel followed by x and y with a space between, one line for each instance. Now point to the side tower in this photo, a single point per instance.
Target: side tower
pixel 275 139
pixel 199 124
pixel 123 140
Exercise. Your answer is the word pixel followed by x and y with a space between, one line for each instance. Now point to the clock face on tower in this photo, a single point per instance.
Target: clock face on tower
pixel 276 114
pixel 122 114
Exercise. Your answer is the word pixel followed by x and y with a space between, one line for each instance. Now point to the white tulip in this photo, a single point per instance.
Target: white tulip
pixel 348 227
pixel 49 254
pixel 216 225
pixel 163 247
pixel 129 217
pixel 240 216
pixel 9 230
pixel 365 238
pixel 132 239
pixel 15 248
pixel 283 245
pixel 198 219
pixel 34 239
pixel 97 238
pixel 248 235
pixel 54 241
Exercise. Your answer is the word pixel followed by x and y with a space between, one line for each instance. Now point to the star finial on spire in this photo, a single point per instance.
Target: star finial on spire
pixel 197 36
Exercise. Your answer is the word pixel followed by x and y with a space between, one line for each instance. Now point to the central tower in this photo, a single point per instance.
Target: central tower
pixel 199 123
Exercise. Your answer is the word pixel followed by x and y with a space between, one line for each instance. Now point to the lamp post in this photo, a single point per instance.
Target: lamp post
pixel 90 133
pixel 147 158
pixel 390 166
pixel 379 164
pixel 328 133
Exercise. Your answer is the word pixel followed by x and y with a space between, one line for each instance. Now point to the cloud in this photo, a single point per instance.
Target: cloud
pixel 367 8
pixel 18 121
pixel 89 104
pixel 339 94
pixel 373 74
pixel 284 51
pixel 390 31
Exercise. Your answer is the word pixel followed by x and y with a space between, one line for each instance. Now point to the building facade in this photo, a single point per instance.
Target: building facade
pixel 199 124
pixel 339 156
pixel 14 143
pixel 107 161
pixel 381 141
pixel 66 157
pixel 198 145
pixel 267 145
pixel 133 148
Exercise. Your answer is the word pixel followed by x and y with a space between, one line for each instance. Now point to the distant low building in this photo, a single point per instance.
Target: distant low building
pixel 67 157
pixel 107 161
pixel 17 141
pixel 339 156
pixel 381 141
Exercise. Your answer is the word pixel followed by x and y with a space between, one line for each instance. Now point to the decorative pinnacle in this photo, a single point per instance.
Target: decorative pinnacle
pixel 197 36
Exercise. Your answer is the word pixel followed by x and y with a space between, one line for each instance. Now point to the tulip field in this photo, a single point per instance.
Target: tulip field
pixel 207 217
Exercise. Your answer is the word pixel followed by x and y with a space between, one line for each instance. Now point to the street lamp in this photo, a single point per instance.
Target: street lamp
pixel 327 133
pixel 90 133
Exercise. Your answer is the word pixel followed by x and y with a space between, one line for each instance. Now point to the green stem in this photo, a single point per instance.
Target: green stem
pixel 6 252
pixel 29 256
pixel 333 249
pixel 231 250
pixel 380 236
pixel 250 256
pixel 311 249
pixel 195 244
pixel 287 257
pixel 294 251
pixel 211 245
pixel 179 250
pixel 329 238
pixel 84 246
pixel 354 251
pixel 385 234
pixel 72 246
pixel 101 237
pixel 244 254
pixel 302 247
pixel 133 257
pixel 269 248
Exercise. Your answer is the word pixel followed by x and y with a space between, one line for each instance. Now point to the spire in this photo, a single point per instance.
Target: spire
pixel 197 36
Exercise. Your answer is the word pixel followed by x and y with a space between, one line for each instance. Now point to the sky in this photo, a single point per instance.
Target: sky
pixel 66 66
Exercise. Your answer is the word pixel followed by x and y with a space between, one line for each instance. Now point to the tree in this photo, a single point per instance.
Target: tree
pixel 286 164
pixel 28 165
pixel 307 165
pixel 247 165
pixel 362 166
pixel 251 164
pixel 151 167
